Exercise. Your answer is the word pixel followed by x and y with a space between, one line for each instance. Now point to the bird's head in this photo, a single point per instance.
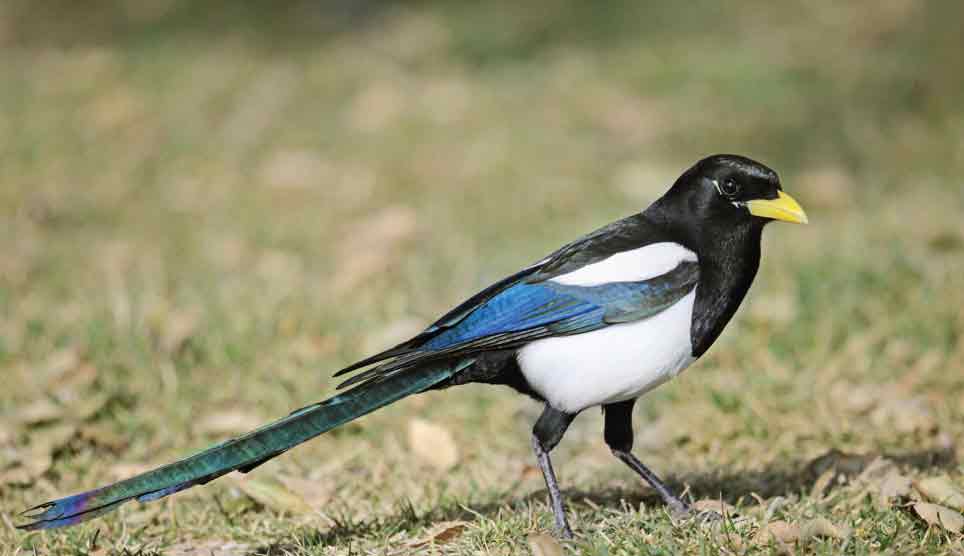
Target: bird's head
pixel 727 190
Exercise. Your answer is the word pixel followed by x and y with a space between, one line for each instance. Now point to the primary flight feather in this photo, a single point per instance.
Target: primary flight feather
pixel 600 322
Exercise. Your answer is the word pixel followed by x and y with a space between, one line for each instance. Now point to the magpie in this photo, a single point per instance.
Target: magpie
pixel 599 322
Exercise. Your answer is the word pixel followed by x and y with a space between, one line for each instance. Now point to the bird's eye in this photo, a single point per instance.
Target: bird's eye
pixel 729 188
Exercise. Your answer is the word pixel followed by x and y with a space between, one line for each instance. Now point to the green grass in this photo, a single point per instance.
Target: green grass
pixel 208 210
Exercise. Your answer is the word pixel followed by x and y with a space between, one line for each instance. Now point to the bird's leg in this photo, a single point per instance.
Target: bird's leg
pixel 548 431
pixel 676 506
pixel 618 432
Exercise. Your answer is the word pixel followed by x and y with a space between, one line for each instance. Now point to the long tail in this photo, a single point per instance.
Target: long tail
pixel 243 453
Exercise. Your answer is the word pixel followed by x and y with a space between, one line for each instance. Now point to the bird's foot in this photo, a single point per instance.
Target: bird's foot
pixel 678 510
pixel 564 532
pixel 707 518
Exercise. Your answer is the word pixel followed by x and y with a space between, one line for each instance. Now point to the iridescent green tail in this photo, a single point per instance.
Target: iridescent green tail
pixel 243 453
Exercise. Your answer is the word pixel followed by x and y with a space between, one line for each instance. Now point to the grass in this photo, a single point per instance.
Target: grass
pixel 207 210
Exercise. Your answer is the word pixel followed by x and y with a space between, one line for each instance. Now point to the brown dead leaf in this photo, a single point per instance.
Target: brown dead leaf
pixel 893 487
pixel 90 406
pixel 103 436
pixel 542 544
pixel 273 495
pixel 51 439
pixel 40 411
pixel 876 470
pixel 17 476
pixel 209 548
pixel 823 528
pixel 433 444
pixel 779 532
pixel 228 422
pixel 442 533
pixel 940 490
pixel 936 515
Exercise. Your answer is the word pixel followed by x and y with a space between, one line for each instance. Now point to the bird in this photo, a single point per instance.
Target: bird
pixel 600 322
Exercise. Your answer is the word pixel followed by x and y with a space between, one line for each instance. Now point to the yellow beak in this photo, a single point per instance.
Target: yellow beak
pixel 784 207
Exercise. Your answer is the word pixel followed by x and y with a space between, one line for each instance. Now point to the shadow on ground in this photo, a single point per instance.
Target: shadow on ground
pixel 735 488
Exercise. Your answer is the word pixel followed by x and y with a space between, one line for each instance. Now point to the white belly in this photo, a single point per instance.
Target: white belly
pixel 616 363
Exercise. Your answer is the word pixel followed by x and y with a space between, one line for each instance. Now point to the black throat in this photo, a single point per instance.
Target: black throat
pixel 727 268
pixel 729 257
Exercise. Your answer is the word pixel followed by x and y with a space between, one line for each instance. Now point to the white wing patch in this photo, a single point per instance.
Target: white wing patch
pixel 634 265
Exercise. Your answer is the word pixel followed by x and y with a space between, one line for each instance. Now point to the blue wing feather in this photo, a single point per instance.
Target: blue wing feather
pixel 525 306
pixel 523 312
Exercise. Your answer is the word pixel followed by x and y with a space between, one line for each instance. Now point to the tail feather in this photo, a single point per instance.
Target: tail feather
pixel 241 453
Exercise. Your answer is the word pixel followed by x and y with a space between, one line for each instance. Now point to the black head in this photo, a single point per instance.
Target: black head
pixel 718 209
pixel 728 191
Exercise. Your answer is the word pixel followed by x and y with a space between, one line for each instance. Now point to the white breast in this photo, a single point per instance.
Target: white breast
pixel 622 361
pixel 616 363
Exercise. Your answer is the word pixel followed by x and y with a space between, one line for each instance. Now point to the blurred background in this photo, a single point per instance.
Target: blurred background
pixel 208 207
